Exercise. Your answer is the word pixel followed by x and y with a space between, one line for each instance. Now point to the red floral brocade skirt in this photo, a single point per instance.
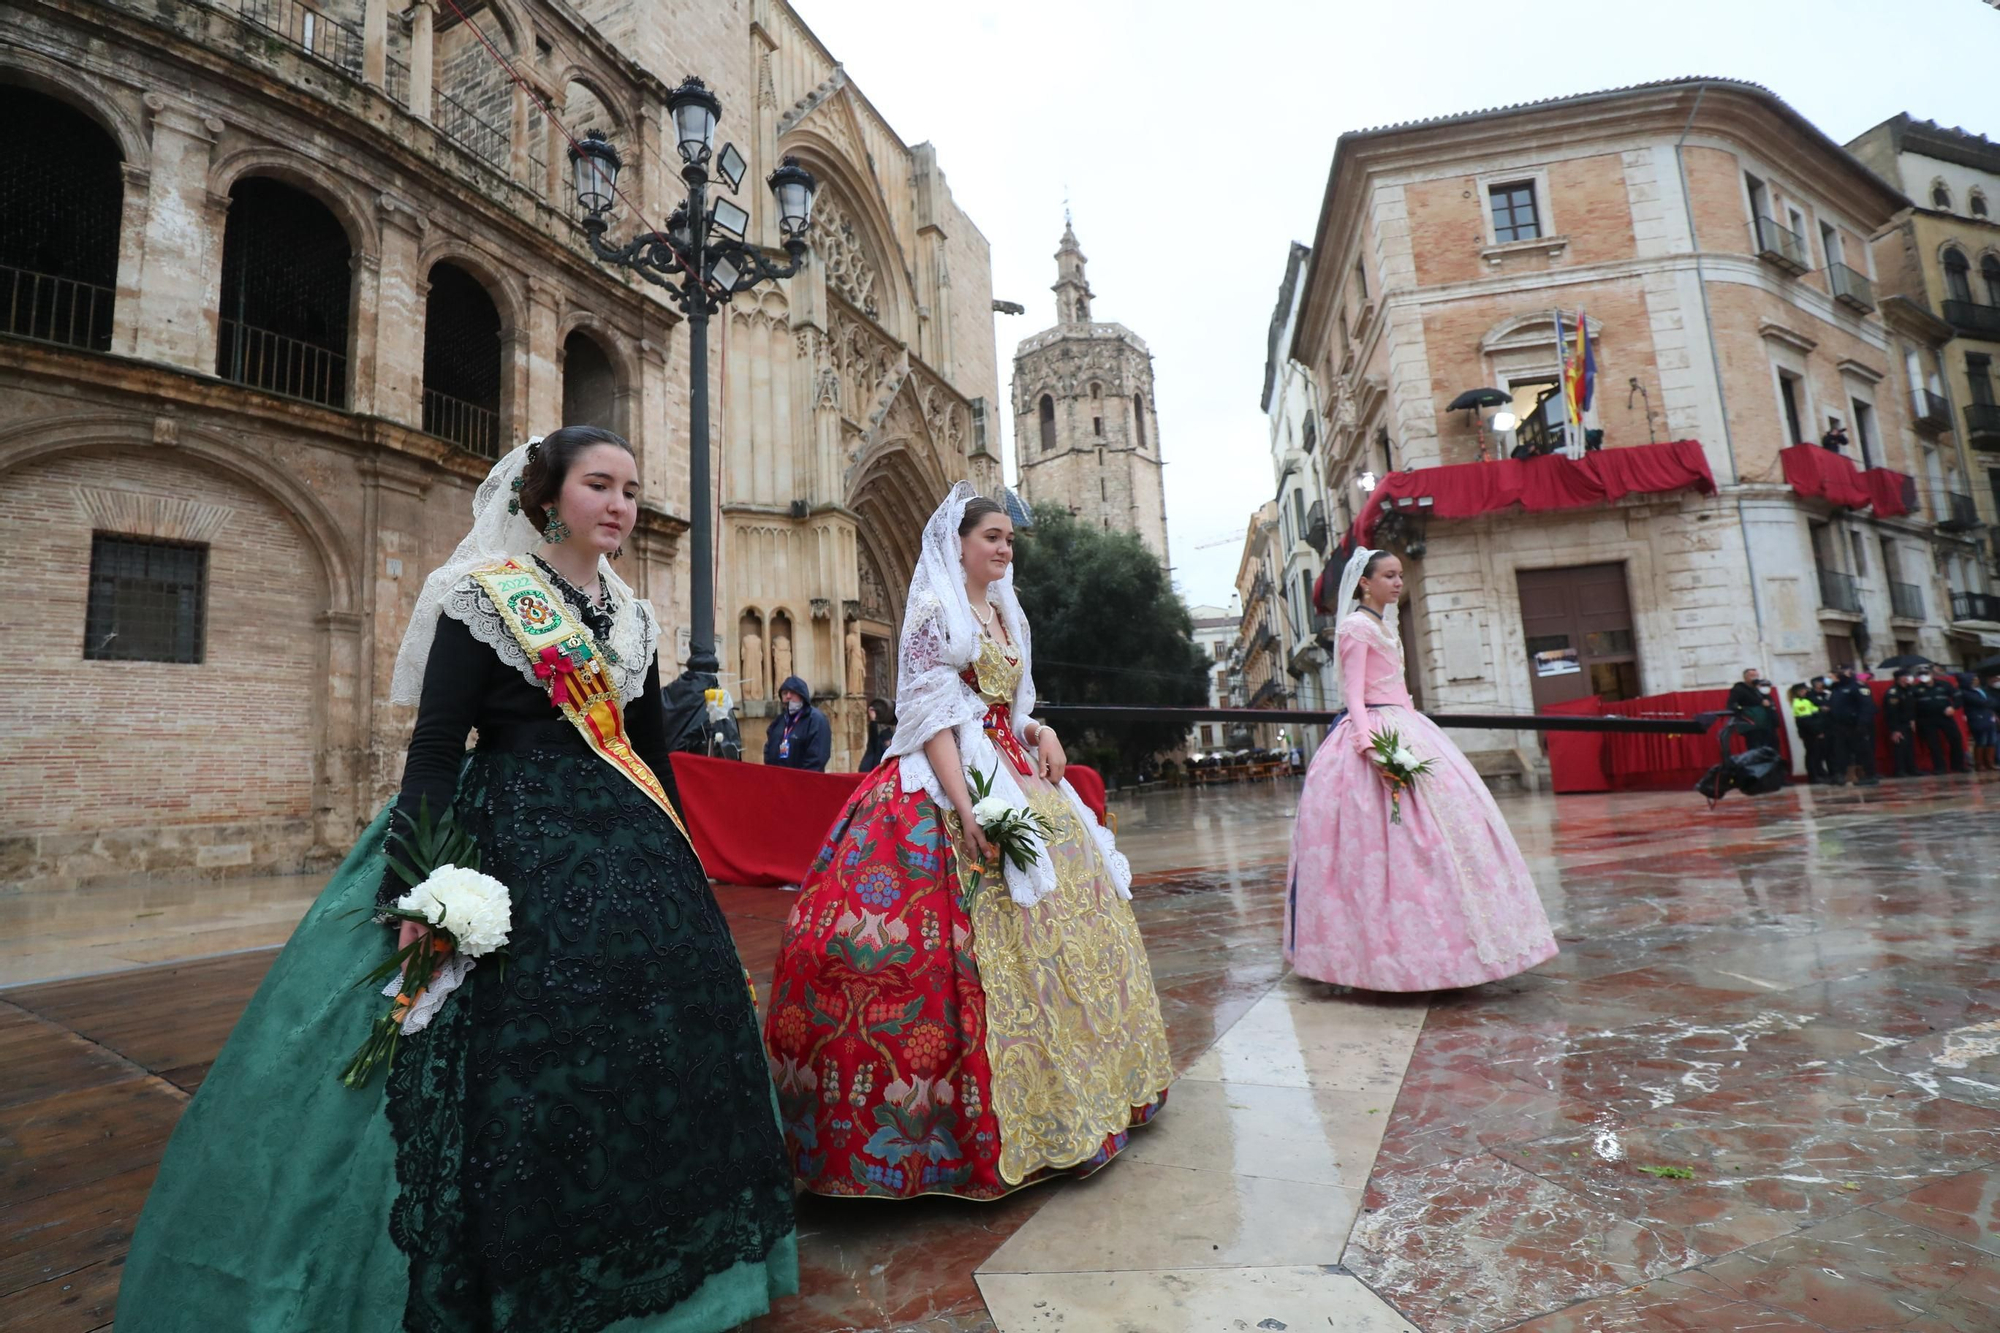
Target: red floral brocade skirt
pixel 877 1031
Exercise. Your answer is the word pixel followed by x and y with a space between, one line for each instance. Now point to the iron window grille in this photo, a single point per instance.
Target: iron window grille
pixel 148 600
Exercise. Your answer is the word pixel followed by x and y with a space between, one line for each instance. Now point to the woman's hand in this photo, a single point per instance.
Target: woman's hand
pixel 1049 751
pixel 975 836
pixel 1364 742
pixel 408 933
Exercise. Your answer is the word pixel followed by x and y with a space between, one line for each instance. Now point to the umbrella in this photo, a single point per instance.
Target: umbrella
pixel 1906 660
pixel 1478 398
pixel 1990 664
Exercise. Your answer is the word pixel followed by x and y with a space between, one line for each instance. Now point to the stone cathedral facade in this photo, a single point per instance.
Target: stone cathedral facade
pixel 287 281
pixel 1085 431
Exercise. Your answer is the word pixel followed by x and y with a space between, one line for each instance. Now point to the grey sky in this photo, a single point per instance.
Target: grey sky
pixel 1193 141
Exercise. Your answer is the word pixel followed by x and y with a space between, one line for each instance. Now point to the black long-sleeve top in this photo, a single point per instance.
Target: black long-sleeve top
pixel 468 687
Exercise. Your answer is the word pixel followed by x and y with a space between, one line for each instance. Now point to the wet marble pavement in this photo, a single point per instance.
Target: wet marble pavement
pixel 1759 1089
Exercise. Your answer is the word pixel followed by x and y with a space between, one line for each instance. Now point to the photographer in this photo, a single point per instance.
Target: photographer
pixel 1755 706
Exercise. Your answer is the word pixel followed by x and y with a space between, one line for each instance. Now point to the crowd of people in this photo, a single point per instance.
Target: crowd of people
pixel 1841 723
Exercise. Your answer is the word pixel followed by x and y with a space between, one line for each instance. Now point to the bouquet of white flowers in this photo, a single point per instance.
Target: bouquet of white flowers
pixel 469 914
pixel 1011 829
pixel 1399 766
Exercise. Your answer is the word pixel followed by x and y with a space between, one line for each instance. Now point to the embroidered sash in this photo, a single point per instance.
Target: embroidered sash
pixel 568 659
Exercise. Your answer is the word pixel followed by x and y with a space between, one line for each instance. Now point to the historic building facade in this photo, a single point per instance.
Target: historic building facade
pixel 284 281
pixel 1718 247
pixel 1086 435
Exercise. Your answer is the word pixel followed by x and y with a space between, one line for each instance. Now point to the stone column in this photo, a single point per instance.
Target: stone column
pixel 180 272
pixel 131 259
pixel 394 502
pixel 375 42
pixel 543 361
pixel 557 151
pixel 395 369
pixel 422 58
pixel 340 786
pixel 521 163
pixel 661 453
pixel 364 308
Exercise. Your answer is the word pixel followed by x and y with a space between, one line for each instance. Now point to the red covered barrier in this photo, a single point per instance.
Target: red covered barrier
pixel 1639 761
pixel 762 825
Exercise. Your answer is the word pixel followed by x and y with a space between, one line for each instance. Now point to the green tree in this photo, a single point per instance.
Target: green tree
pixel 1108 628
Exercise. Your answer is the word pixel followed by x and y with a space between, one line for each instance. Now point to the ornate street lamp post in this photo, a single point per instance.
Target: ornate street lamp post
pixel 702 259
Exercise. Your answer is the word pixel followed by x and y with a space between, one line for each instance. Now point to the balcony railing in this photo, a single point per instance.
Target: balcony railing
pixel 1780 244
pixel 1975 606
pixel 1316 526
pixel 277 364
pixel 1982 426
pixel 1972 318
pixel 1957 513
pixel 1839 592
pixel 1268 695
pixel 326 40
pixel 1906 601
pixel 467 425
pixel 49 309
pixel 1850 288
pixel 1929 411
pixel 459 123
pixel 396 80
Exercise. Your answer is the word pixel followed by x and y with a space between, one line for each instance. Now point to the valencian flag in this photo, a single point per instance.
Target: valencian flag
pixel 1579 379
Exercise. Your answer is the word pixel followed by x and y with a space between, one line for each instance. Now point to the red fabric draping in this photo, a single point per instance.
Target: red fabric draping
pixel 1467 490
pixel 1811 470
pixel 1576 758
pixel 1629 761
pixel 763 825
pixel 1892 493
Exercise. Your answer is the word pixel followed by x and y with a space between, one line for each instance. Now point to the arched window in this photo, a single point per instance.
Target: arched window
pixel 1989 273
pixel 1941 196
pixel 287 272
pixel 462 362
pixel 1976 201
pixel 1957 276
pixel 59 230
pixel 1139 420
pixel 590 385
pixel 1048 417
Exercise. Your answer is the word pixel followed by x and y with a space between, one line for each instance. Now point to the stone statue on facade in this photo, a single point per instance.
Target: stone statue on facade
pixel 751 650
pixel 781 654
pixel 857 661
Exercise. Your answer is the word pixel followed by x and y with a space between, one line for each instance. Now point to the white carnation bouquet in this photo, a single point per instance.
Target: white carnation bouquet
pixel 469 915
pixel 1400 767
pixel 1012 829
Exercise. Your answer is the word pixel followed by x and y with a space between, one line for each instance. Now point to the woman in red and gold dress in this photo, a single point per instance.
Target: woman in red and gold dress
pixel 939 1024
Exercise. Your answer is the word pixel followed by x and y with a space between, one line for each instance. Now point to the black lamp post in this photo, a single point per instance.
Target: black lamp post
pixel 703 258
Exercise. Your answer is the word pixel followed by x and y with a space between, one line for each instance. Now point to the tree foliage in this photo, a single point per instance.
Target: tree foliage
pixel 1108 629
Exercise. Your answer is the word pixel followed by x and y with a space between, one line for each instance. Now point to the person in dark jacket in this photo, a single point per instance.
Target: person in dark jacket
pixel 1853 711
pixel 1982 719
pixel 799 736
pixel 1752 701
pixel 1899 714
pixel 1937 721
pixel 881 726
pixel 1810 718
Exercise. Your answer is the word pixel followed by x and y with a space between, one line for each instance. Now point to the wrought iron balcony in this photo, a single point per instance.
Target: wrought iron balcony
pixel 1906 601
pixel 1970 317
pixel 1983 606
pixel 1957 513
pixel 1316 526
pixel 469 426
pixel 1982 426
pixel 50 309
pixel 1779 244
pixel 284 366
pixel 1269 695
pixel 1929 411
pixel 1850 288
pixel 1839 592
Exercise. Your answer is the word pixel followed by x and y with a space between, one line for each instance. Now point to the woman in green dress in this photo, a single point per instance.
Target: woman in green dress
pixel 584 1137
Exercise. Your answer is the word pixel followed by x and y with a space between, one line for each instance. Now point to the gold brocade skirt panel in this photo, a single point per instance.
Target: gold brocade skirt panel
pixel 1074 1032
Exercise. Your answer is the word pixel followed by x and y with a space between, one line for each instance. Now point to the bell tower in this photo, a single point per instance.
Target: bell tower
pixel 1072 288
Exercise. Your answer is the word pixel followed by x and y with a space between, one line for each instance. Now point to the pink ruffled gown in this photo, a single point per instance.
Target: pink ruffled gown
pixel 1442 899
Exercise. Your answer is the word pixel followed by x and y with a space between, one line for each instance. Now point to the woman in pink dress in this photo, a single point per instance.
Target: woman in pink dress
pixel 1442 899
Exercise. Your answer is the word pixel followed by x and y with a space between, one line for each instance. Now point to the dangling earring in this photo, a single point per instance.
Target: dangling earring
pixel 618 554
pixel 554 530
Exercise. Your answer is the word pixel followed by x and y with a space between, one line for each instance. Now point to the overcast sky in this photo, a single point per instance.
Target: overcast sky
pixel 1193 140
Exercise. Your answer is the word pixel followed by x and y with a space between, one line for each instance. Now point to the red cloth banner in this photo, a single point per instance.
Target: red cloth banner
pixel 762 825
pixel 1576 758
pixel 1811 470
pixel 1467 490
pixel 1892 493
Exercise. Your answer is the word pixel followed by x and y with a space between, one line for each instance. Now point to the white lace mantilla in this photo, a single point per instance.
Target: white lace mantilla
pixel 635 635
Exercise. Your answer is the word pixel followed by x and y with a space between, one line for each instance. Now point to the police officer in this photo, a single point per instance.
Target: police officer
pixel 1937 721
pixel 1899 711
pixel 1982 718
pixel 1853 711
pixel 1810 718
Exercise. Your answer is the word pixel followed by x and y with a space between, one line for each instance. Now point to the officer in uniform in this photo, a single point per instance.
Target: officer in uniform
pixel 1937 722
pixel 1811 720
pixel 1853 711
pixel 1899 710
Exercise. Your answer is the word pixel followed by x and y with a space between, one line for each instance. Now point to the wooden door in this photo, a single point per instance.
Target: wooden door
pixel 1578 626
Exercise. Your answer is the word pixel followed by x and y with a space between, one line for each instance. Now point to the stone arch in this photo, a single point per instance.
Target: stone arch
pixel 587 77
pixel 74 87
pixel 501 283
pixel 103 433
pixel 354 213
pixel 895 487
pixel 586 401
pixel 855 195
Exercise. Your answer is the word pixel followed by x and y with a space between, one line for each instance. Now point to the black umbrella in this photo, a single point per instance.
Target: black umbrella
pixel 1990 664
pixel 1477 398
pixel 1910 661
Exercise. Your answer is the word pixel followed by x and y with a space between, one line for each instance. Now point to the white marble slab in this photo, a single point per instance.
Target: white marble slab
pixel 1298 1299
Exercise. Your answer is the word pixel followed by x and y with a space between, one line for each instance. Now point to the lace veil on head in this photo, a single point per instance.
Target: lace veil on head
pixel 499 534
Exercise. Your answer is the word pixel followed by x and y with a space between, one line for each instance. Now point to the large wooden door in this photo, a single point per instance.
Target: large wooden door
pixel 1578 626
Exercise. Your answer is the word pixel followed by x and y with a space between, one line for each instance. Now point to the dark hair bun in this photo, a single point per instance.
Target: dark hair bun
pixel 549 463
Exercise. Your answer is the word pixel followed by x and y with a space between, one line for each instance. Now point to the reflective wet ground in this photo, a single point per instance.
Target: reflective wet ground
pixel 1759 1090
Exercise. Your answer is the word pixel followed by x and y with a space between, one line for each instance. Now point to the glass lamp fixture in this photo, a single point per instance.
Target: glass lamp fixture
pixel 793 186
pixel 729 217
pixel 694 110
pixel 729 164
pixel 1504 420
pixel 593 166
pixel 724 273
pixel 1366 481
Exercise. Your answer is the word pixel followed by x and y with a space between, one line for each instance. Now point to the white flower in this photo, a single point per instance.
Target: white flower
pixel 1406 759
pixel 475 908
pixel 990 810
